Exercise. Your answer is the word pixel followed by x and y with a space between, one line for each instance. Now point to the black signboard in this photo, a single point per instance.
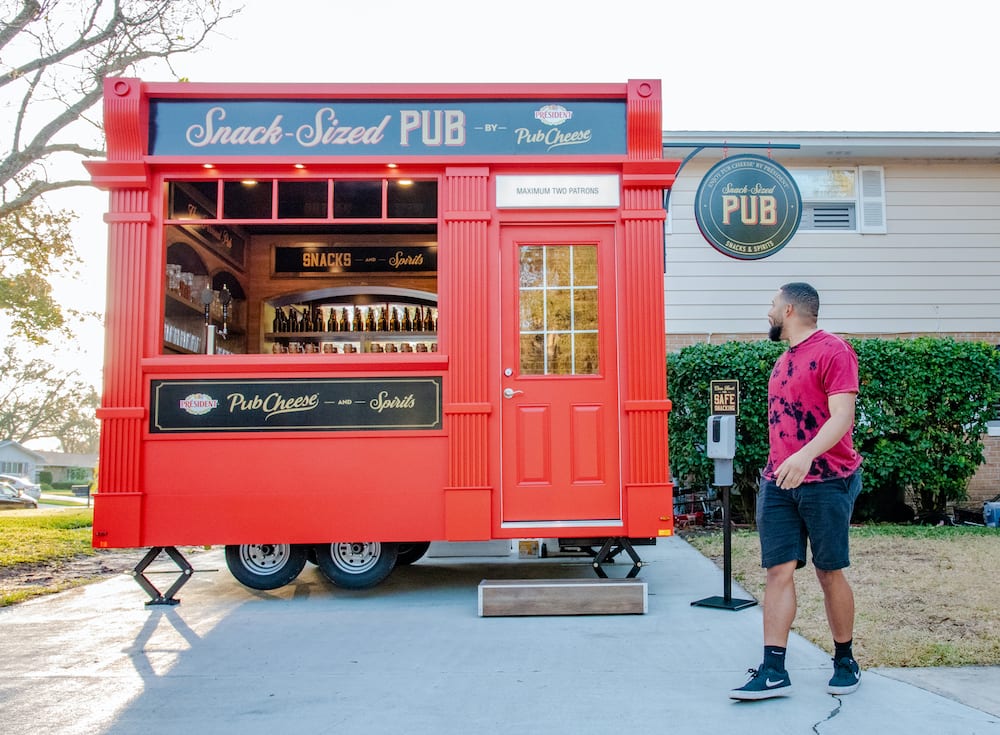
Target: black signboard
pixel 748 207
pixel 333 404
pixel 327 259
pixel 725 397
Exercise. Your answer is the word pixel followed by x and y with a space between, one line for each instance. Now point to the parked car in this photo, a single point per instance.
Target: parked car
pixel 26 486
pixel 13 499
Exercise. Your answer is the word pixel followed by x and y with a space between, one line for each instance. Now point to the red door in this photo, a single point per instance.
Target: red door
pixel 559 382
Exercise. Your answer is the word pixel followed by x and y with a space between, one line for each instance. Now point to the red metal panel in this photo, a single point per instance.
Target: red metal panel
pixel 588 444
pixel 294 489
pixel 534 445
pixel 211 90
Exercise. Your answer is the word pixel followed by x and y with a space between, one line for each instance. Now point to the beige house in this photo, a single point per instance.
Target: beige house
pixel 71 468
pixel 900 233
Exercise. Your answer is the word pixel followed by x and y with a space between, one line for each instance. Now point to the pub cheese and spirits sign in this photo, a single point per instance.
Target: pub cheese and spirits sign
pixel 748 207
pixel 334 404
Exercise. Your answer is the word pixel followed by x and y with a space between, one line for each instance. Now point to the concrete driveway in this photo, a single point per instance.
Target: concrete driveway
pixel 412 656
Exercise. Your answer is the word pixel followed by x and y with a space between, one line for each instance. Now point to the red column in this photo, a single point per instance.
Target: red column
pixel 649 494
pixel 117 506
pixel 464 312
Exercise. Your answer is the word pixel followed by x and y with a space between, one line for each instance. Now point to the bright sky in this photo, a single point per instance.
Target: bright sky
pixel 867 65
pixel 856 65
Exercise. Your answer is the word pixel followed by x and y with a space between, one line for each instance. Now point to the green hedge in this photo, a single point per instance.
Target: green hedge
pixel 922 412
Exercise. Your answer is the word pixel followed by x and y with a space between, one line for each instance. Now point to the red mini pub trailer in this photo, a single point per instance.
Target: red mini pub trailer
pixel 345 321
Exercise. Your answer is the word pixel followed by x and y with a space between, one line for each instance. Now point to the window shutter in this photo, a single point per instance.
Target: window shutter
pixel 872 200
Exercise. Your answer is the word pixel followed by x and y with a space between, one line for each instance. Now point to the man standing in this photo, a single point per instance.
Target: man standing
pixel 807 488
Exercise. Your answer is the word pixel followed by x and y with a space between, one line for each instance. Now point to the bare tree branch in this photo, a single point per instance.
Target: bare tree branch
pixel 56 55
pixel 30 10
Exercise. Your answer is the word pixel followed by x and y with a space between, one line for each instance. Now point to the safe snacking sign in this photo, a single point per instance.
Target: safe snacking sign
pixel 748 207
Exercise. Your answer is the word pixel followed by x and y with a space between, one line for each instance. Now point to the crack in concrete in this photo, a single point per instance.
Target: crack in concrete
pixel 833 713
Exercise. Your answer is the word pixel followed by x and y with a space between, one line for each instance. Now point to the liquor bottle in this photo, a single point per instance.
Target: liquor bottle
pixel 383 320
pixel 317 325
pixel 331 324
pixel 356 325
pixel 370 319
pixel 428 320
pixel 286 322
pixel 276 322
pixel 418 319
pixel 344 323
pixel 407 325
pixel 394 320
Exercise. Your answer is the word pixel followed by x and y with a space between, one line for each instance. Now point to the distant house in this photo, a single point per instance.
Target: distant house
pixel 16 459
pixel 74 468
pixel 900 233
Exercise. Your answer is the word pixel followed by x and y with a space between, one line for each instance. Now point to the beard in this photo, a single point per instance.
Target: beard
pixel 774 333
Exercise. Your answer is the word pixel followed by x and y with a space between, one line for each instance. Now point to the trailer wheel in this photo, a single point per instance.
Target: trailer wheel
pixel 409 553
pixel 265 566
pixel 356 565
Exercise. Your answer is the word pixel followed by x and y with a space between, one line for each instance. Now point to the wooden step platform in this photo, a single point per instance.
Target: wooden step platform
pixel 501 597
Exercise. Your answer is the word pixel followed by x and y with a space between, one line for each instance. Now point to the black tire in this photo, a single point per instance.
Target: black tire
pixel 356 565
pixel 411 552
pixel 266 566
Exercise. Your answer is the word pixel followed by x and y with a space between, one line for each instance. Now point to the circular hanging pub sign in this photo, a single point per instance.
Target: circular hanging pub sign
pixel 748 207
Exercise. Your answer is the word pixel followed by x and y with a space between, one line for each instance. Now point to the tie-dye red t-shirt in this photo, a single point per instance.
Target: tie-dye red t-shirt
pixel 798 392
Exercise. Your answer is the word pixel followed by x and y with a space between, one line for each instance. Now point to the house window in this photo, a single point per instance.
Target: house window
pixel 842 199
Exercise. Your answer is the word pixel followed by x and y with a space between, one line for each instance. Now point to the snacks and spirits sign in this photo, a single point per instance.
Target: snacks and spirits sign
pixel 333 404
pixel 748 207
pixel 324 260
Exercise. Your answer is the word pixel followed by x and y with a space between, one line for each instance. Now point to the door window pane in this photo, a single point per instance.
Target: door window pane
pixel 558 310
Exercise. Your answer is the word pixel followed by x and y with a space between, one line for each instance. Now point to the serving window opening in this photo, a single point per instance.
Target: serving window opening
pixel 318 266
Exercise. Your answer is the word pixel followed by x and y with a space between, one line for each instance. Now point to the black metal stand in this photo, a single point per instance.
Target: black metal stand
pixel 611 548
pixel 726 602
pixel 156 597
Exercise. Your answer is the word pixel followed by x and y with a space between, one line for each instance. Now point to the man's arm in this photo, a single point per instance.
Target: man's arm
pixel 793 470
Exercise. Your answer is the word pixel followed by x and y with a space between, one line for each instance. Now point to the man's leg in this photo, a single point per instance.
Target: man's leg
pixel 780 604
pixel 839 601
pixel 838 597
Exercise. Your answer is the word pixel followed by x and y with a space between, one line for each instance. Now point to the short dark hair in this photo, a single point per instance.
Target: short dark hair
pixel 803 297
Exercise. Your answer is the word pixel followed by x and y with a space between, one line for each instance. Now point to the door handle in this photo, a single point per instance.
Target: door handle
pixel 510 392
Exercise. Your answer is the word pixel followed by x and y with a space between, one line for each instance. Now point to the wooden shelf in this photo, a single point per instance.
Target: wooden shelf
pixel 351 336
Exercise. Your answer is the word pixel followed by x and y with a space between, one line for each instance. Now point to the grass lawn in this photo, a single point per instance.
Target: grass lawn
pixel 33 536
pixel 924 595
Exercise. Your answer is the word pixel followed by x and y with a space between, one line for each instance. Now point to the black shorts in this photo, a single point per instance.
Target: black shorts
pixel 817 512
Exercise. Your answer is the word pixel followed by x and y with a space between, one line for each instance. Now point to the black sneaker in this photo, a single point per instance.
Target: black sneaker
pixel 764 684
pixel 846 676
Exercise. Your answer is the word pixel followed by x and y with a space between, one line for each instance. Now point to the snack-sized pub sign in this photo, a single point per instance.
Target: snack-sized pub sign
pixel 748 207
